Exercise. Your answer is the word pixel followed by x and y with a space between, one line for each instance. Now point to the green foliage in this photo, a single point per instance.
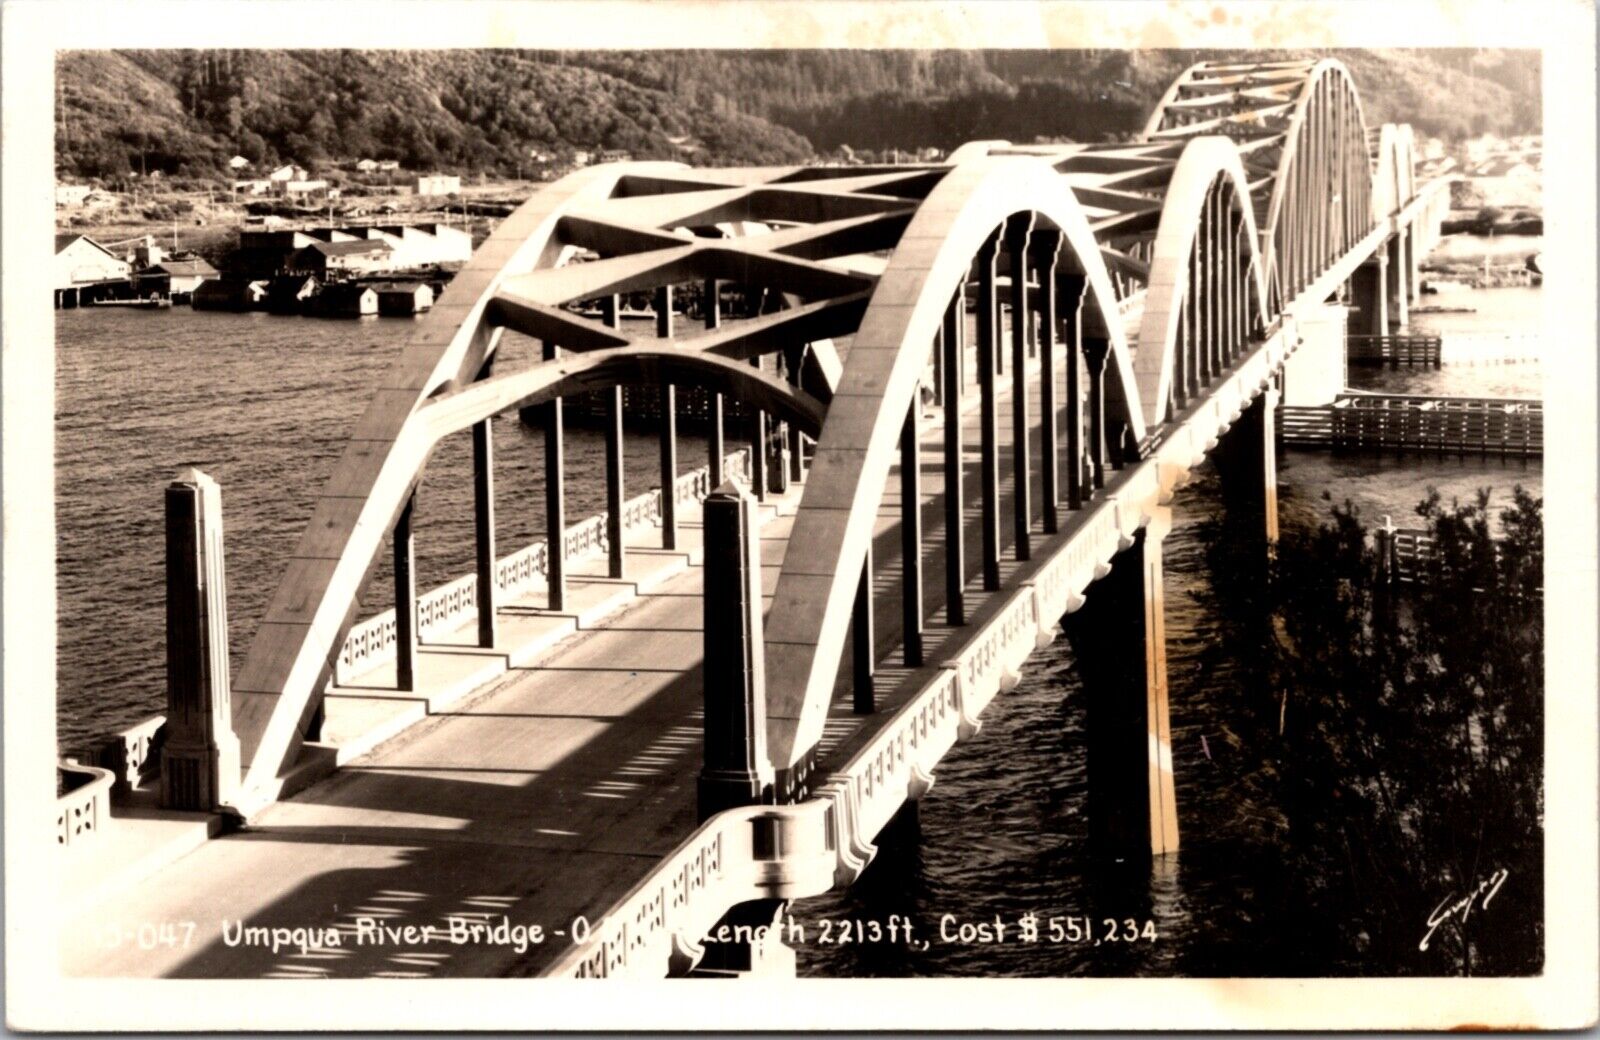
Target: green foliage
pixel 472 111
pixel 1404 735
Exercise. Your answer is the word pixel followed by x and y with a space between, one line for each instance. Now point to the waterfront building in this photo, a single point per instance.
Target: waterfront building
pixel 287 293
pixel 230 294
pixel 173 277
pixel 402 298
pixel 357 256
pixel 302 188
pixel 80 260
pixel 343 300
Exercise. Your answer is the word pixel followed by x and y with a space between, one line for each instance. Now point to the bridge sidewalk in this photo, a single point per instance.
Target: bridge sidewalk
pixel 579 766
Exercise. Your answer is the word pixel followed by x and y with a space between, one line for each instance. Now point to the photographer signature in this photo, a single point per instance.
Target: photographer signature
pixel 1464 906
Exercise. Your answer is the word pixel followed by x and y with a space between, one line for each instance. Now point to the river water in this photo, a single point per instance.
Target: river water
pixel 264 403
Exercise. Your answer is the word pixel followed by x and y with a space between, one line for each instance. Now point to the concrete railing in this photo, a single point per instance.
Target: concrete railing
pixel 373 642
pixel 84 805
pixel 794 851
pixel 133 756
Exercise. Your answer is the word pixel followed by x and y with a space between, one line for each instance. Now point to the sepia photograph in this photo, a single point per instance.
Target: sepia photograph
pixel 613 491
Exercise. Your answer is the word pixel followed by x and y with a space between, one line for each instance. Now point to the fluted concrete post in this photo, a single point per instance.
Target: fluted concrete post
pixel 200 760
pixel 1119 640
pixel 737 770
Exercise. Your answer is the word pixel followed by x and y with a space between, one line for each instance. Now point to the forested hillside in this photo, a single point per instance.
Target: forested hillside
pixel 470 111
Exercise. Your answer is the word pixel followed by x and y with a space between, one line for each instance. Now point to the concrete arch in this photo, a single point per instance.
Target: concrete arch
pixel 1328 86
pixel 811 609
pixel 1394 179
pixel 1205 161
pixel 276 691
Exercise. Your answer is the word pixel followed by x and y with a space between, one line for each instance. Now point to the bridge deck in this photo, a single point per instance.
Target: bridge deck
pixel 544 796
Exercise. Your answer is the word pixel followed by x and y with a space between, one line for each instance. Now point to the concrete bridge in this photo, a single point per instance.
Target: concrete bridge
pixel 973 389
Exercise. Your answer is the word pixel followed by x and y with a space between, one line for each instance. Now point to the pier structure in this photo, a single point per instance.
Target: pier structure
pixel 973 390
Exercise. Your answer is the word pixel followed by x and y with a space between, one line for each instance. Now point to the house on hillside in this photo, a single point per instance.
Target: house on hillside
pixel 366 165
pixel 581 157
pixel 302 189
pixel 81 260
pixel 238 162
pixel 388 165
pixel 72 194
pixel 252 187
pixel 289 172
pixel 439 184
pixel 610 155
pixel 362 256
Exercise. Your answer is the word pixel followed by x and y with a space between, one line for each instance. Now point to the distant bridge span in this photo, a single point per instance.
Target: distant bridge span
pixel 1126 309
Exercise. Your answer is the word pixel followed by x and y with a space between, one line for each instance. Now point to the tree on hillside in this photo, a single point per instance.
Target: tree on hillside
pixel 1403 733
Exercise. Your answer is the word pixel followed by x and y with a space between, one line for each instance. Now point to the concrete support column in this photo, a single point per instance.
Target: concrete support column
pixel 1018 230
pixel 405 599
pixel 989 446
pixel 911 537
pixel 714 446
pixel 1047 246
pixel 616 551
pixel 955 552
pixel 736 770
pixel 1397 286
pixel 555 503
pixel 1368 290
pixel 200 759
pixel 669 431
pixel 1119 640
pixel 1071 339
pixel 1246 459
pixel 863 645
pixel 483 523
pixel 793 444
pixel 1095 351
